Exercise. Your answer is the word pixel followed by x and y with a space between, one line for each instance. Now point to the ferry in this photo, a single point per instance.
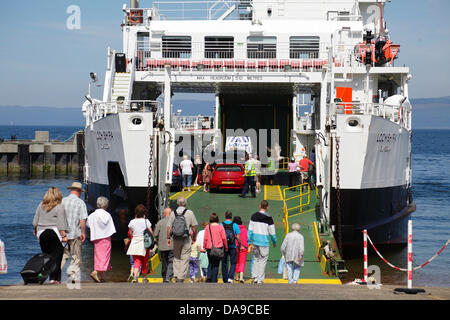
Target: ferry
pixel 298 77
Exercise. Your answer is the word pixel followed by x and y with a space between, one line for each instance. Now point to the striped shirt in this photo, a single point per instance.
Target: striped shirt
pixel 261 229
pixel 75 211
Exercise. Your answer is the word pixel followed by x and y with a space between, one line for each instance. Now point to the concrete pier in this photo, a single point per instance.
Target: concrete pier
pixel 212 291
pixel 42 156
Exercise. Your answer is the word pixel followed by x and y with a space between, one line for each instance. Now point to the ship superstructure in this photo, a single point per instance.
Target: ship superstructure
pixel 299 77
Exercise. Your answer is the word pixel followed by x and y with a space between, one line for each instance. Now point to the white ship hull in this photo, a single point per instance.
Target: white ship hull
pixel 374 179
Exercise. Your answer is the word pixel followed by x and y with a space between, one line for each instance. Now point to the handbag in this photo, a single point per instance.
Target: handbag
pixel 149 242
pixel 216 253
pixel 281 265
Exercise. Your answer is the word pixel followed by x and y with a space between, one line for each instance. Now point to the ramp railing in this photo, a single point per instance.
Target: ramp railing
pixel 289 206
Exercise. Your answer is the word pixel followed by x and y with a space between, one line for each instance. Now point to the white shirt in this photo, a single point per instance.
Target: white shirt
pixel 101 224
pixel 186 166
pixel 200 237
pixel 138 226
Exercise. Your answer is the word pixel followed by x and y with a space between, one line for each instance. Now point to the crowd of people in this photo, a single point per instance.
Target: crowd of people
pixel 185 253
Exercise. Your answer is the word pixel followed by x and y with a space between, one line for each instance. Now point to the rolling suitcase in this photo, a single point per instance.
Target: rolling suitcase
pixel 38 268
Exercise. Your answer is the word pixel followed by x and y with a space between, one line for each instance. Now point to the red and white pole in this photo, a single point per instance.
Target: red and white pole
pixel 365 255
pixel 410 269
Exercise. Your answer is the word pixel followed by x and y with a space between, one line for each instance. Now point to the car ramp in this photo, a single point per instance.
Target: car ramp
pixel 316 269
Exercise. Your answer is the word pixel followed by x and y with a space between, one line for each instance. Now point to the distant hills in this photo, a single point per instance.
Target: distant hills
pixel 429 113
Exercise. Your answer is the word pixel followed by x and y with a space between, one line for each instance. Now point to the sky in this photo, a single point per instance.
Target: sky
pixel 43 63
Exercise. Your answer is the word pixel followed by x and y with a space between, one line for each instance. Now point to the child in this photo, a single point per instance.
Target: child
pixel 203 255
pixel 193 261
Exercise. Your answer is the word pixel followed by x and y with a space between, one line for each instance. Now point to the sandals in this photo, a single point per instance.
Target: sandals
pixel 94 276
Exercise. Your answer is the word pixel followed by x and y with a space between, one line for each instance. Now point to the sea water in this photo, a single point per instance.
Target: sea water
pixel 431 221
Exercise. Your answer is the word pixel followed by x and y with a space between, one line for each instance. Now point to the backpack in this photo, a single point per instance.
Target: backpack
pixel 229 233
pixel 179 227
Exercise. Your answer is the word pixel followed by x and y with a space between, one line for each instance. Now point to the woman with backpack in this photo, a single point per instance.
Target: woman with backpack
pixel 137 248
pixel 242 250
pixel 215 243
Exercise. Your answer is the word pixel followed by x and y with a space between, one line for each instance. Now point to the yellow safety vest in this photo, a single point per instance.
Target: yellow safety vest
pixel 250 172
pixel 271 164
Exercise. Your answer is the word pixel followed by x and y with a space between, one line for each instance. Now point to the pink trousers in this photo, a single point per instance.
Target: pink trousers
pixel 241 256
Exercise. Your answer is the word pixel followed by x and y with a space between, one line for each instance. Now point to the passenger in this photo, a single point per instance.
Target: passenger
pixel 102 228
pixel 203 256
pixel 186 172
pixel 232 233
pixel 194 261
pixel 293 172
pixel 76 213
pixel 270 170
pixel 181 243
pixel 165 251
pixel 293 249
pixel 214 236
pixel 304 168
pixel 206 177
pixel 50 227
pixel 250 176
pixel 242 250
pixel 257 164
pixel 261 230
pixel 312 156
pixel 137 249
pixel 198 168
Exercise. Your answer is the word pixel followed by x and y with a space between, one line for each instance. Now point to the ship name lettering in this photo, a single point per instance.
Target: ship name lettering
pixel 104 135
pixel 386 137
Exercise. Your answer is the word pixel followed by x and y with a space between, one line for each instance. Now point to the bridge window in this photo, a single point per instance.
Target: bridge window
pixel 219 47
pixel 176 47
pixel 304 47
pixel 261 47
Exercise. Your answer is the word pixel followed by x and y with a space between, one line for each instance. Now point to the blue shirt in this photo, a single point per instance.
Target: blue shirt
pixel 236 231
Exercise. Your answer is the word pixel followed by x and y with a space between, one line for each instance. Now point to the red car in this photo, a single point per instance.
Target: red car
pixel 228 176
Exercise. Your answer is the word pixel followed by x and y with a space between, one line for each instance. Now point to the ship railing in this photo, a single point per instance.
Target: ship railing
pixel 184 10
pixel 227 47
pixel 238 9
pixel 396 114
pixel 103 109
pixel 223 61
pixel 200 10
pixel 199 122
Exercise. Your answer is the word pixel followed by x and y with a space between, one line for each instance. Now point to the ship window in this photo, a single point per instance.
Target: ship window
pixel 219 47
pixel 143 42
pixel 304 47
pixel 176 47
pixel 261 47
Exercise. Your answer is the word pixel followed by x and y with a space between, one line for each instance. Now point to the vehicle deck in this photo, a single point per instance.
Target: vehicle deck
pixel 205 203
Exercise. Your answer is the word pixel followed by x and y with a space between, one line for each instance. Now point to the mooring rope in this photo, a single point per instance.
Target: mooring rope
pixel 403 269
